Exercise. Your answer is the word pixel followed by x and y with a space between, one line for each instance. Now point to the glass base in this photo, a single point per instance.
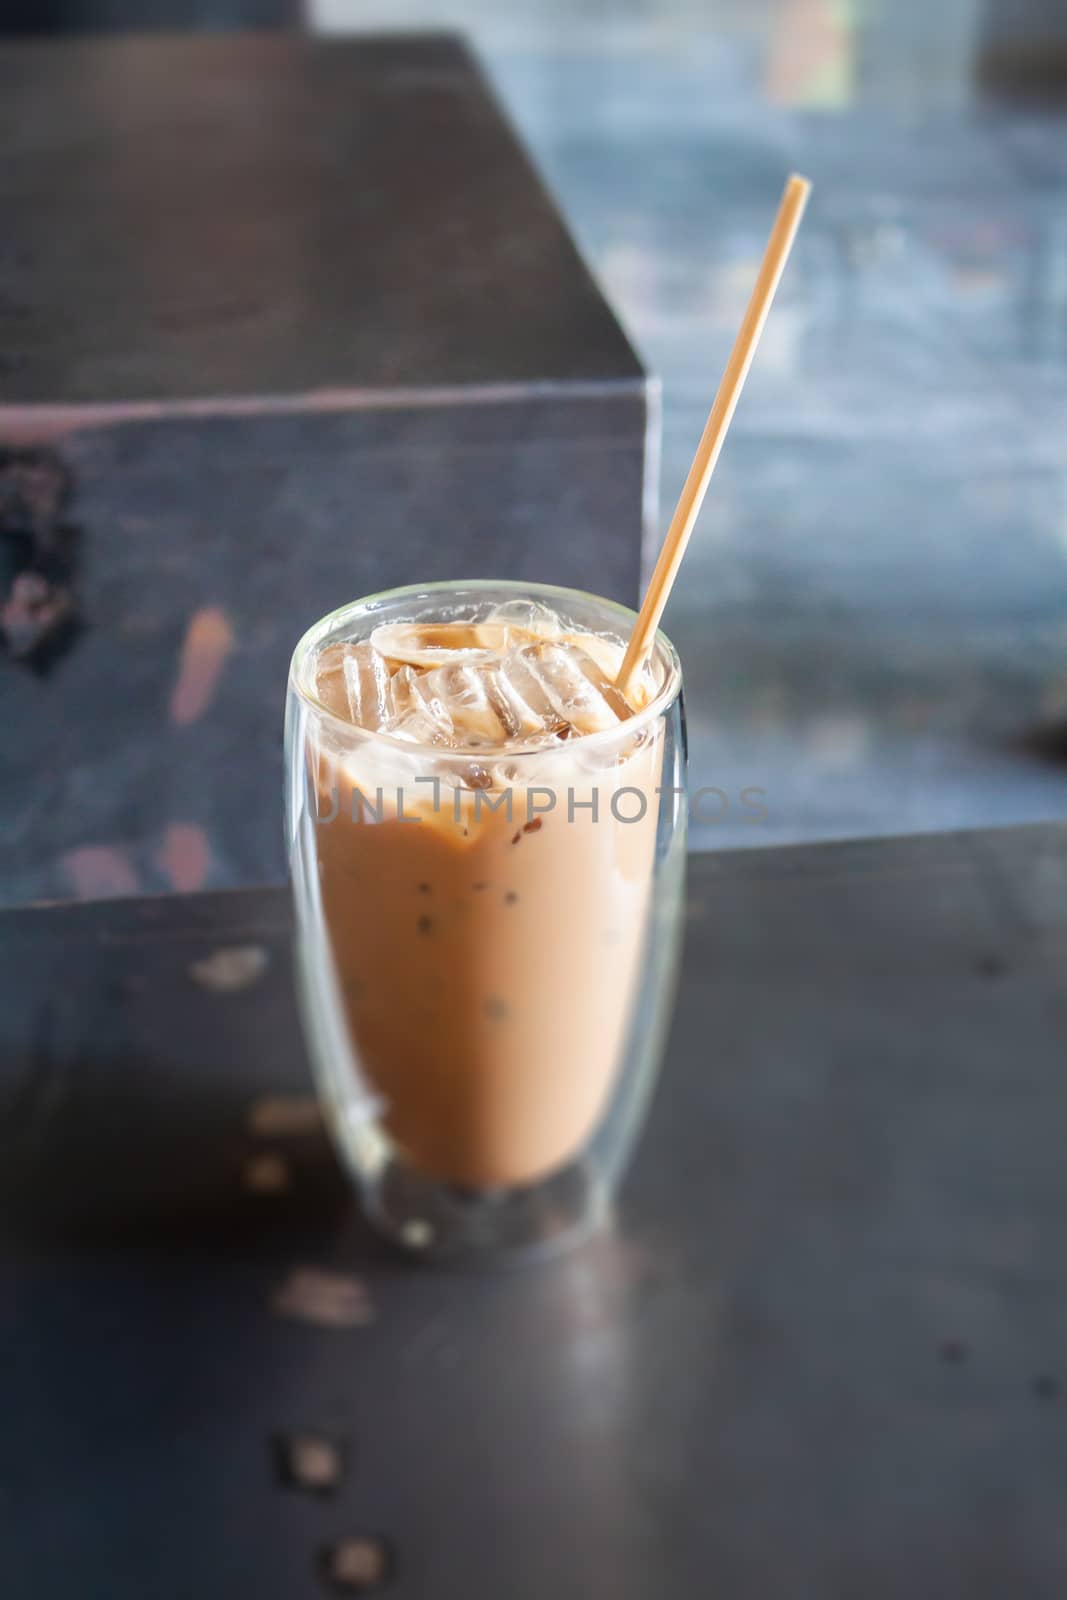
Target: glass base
pixel 442 1223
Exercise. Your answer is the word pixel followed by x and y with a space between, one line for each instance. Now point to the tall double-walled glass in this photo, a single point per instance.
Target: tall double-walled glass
pixel 485 951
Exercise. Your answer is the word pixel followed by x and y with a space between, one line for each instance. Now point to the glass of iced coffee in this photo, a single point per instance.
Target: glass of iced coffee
pixel 487 843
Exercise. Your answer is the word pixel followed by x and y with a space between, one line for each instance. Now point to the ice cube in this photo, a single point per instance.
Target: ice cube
pixel 367 681
pixel 463 691
pixel 330 688
pixel 352 681
pixel 417 728
pixel 429 644
pixel 523 621
pixel 577 688
pixel 524 709
pixel 606 652
pixel 419 713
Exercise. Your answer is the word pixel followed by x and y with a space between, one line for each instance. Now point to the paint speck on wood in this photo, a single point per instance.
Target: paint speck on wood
pixel 417 1234
pixel 100 872
pixel 208 641
pixel 284 1116
pixel 185 856
pixel 327 1299
pixel 267 1174
pixel 310 1462
pixel 227 971
pixel 356 1566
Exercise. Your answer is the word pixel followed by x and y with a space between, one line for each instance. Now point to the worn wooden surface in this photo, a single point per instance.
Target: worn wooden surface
pixel 822 1353
pixel 298 322
pixel 269 215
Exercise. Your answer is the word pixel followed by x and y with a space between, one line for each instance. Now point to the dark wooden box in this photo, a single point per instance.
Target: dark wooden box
pixel 282 322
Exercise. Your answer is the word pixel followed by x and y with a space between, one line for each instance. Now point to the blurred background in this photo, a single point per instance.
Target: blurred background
pixel 873 619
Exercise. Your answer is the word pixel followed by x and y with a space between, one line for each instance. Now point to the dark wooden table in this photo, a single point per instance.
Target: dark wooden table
pixel 822 1354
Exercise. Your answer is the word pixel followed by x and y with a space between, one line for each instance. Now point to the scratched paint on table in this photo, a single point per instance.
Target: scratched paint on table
pixel 100 872
pixel 207 643
pixel 326 1299
pixel 227 970
pixel 312 1462
pixel 284 1116
pixel 266 1173
pixel 185 856
pixel 356 1565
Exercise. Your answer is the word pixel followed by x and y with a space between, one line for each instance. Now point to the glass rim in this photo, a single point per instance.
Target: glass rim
pixel 660 702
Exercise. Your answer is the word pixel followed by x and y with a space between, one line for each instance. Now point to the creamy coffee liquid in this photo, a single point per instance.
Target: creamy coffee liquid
pixel 486 963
